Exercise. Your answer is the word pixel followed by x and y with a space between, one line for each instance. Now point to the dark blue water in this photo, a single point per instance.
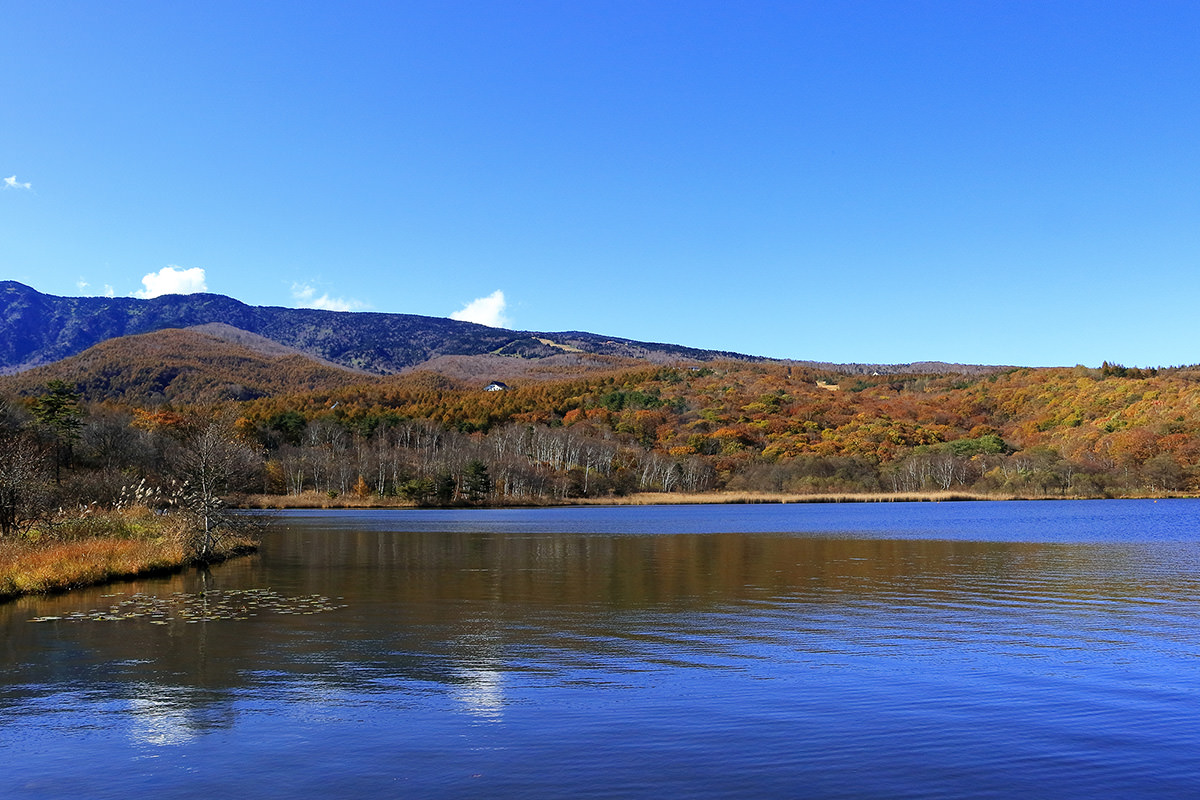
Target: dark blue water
pixel 890 650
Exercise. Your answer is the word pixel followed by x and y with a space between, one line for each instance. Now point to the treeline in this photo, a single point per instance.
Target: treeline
pixel 428 463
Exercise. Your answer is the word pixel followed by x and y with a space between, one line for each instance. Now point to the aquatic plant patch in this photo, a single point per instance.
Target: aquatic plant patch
pixel 207 606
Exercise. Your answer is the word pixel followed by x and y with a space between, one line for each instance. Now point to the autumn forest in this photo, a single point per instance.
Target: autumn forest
pixel 766 427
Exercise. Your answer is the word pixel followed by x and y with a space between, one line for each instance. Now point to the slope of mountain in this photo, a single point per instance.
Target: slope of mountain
pixel 258 344
pixel 37 329
pixel 185 366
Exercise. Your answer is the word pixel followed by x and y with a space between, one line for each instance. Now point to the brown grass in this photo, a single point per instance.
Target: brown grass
pixel 94 548
pixel 310 500
pixel 321 500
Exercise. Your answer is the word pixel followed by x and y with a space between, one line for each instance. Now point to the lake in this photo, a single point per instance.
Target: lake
pixel 820 651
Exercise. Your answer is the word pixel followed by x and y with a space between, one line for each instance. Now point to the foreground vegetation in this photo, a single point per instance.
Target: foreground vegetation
pixel 62 526
pixel 74 550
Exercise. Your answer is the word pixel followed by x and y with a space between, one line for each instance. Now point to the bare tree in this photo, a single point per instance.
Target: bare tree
pixel 107 440
pixel 24 490
pixel 210 462
pixel 947 469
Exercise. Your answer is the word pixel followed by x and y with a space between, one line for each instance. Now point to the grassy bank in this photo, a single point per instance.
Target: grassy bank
pixel 316 500
pixel 98 547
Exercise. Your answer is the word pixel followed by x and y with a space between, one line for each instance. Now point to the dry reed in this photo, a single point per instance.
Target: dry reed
pixel 321 500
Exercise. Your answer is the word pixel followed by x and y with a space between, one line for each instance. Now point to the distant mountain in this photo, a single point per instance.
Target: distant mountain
pixel 37 329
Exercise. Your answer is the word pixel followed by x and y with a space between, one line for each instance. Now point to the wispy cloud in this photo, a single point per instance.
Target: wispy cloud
pixel 305 296
pixel 83 285
pixel 485 311
pixel 12 183
pixel 172 279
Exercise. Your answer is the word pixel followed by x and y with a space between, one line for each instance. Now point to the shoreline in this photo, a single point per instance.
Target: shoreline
pixel 141 545
pixel 316 501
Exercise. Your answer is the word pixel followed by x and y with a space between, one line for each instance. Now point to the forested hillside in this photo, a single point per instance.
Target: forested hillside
pixel 690 427
pixel 783 428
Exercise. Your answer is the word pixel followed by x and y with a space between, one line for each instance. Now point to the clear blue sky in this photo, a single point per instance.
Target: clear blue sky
pixel 989 182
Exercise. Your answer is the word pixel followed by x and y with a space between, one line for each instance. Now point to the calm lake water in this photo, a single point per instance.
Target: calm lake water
pixel 814 651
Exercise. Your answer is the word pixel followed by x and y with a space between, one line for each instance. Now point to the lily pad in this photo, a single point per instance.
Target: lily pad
pixel 211 605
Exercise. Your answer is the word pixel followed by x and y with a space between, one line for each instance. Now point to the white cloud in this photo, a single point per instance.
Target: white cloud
pixel 172 280
pixel 82 285
pixel 13 183
pixel 306 297
pixel 486 311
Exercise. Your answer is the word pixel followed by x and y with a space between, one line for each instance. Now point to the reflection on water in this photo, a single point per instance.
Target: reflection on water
pixel 481 691
pixel 162 715
pixel 774 651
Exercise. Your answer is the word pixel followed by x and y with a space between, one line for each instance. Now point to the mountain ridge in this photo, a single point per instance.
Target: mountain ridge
pixel 38 329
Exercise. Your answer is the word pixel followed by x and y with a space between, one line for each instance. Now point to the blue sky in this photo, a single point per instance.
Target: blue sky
pixel 986 182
